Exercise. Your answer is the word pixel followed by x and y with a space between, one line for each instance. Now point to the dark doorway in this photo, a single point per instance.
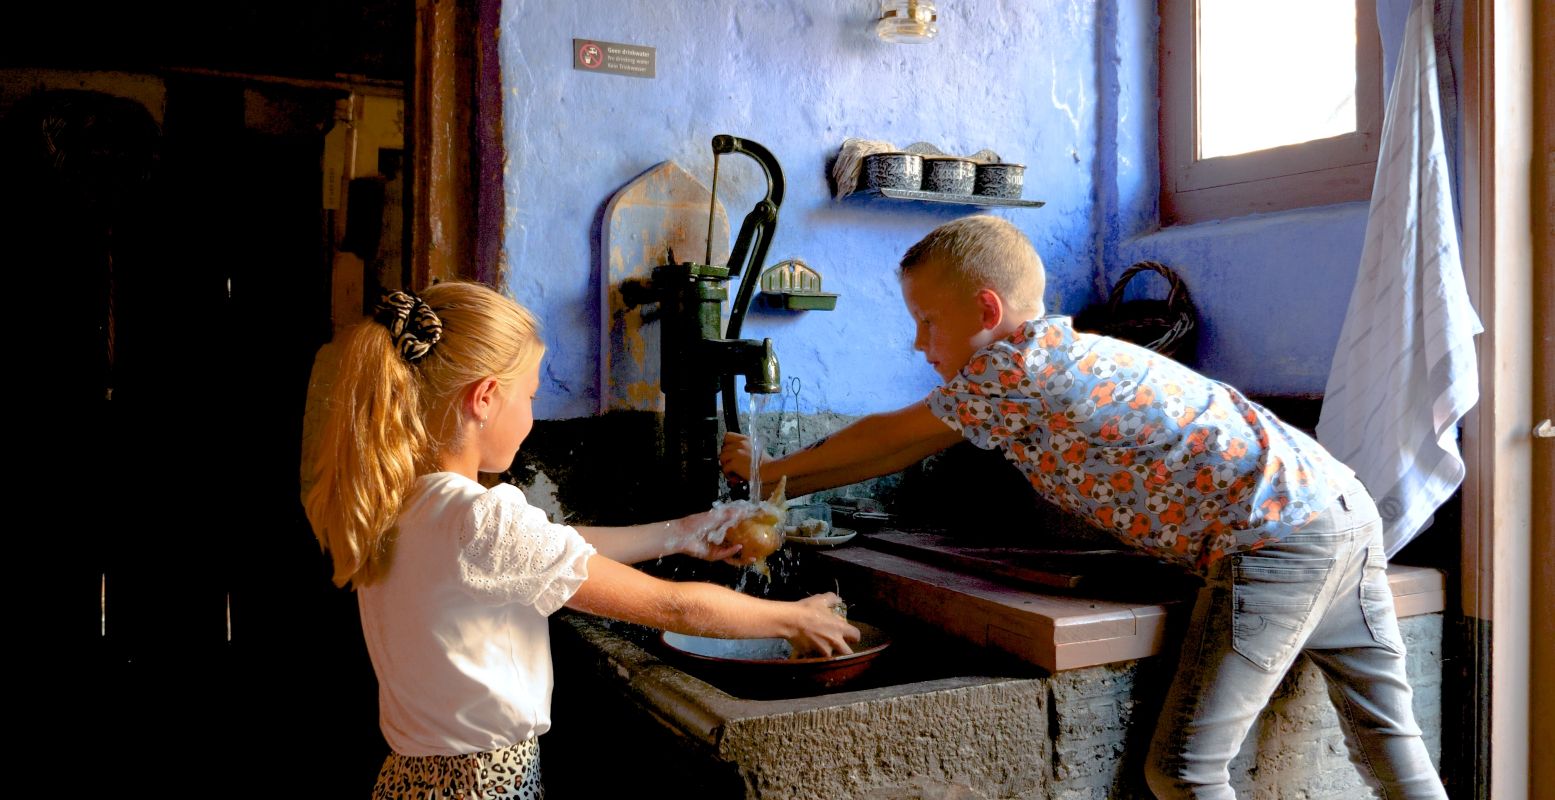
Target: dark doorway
pixel 170 285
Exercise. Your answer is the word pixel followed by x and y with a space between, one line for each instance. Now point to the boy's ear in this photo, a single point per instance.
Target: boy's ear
pixel 990 308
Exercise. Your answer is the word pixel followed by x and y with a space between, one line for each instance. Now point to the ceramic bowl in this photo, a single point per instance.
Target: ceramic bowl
pixel 762 667
pixel 1000 180
pixel 838 536
pixel 893 171
pixel 949 175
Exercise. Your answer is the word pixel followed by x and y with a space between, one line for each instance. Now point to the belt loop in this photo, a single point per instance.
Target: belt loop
pixel 1343 503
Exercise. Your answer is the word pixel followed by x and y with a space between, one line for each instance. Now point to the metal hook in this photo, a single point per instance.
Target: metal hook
pixel 794 385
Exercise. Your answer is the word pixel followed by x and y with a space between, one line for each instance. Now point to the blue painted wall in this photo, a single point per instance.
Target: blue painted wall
pixel 1066 87
pixel 798 76
pixel 1271 289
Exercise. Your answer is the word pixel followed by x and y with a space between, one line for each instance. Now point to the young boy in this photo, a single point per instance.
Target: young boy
pixel 1287 542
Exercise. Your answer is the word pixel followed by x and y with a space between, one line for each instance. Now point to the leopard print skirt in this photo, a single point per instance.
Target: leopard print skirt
pixel 512 772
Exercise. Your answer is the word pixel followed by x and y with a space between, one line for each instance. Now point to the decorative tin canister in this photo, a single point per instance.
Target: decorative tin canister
pixel 893 171
pixel 949 175
pixel 1000 180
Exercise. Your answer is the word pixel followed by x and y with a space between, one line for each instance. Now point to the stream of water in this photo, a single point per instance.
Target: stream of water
pixel 758 404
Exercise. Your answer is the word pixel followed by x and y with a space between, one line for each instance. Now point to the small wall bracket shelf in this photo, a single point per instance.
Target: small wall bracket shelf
pixel 941 197
pixel 795 286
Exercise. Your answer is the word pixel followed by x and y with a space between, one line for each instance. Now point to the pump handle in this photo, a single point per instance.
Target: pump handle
pixel 754 240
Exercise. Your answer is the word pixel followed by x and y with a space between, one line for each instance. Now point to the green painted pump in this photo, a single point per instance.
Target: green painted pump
pixel 697 360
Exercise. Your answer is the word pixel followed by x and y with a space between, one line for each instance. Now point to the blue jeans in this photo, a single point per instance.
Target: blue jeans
pixel 1321 591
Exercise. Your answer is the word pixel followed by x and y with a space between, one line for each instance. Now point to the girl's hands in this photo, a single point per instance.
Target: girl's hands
pixel 703 535
pixel 821 630
pixel 698 532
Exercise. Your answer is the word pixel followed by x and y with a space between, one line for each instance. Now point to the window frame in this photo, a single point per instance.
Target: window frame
pixel 1320 172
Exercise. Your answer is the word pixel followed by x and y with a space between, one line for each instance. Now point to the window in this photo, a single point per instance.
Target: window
pixel 1267 105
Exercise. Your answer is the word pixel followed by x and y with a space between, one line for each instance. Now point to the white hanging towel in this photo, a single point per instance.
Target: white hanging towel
pixel 1404 371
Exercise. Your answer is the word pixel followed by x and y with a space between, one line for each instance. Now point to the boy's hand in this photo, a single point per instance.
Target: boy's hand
pixel 736 456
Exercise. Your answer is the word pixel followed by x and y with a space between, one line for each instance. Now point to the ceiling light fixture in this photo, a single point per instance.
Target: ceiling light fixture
pixel 907 21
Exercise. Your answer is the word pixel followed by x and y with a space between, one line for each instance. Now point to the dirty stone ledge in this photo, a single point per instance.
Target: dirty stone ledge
pixel 1075 735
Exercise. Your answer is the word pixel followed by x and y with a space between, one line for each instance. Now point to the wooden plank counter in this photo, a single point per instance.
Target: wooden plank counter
pixel 1052 630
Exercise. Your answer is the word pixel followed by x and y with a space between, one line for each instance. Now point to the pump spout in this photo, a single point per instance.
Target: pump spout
pixel 750 358
pixel 765 379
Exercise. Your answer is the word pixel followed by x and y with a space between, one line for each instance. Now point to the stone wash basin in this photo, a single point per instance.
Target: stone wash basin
pixel 953 709
pixel 926 715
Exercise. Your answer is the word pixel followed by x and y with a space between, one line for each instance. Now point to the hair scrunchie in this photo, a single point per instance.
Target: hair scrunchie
pixel 412 323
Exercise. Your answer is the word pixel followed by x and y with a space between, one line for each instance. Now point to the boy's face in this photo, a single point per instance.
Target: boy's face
pixel 950 322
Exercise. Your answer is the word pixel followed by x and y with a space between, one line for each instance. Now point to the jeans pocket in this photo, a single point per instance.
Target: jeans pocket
pixel 1271 601
pixel 1377 602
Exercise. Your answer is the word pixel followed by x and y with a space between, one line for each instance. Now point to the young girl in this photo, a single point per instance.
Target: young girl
pixel 455 581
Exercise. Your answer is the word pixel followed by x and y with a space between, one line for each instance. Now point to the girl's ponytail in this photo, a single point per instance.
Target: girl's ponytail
pixel 370 453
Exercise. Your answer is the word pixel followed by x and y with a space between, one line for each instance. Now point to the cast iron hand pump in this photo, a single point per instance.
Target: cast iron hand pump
pixel 697 360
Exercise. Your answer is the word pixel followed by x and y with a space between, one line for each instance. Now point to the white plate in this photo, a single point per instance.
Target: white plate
pixel 838 536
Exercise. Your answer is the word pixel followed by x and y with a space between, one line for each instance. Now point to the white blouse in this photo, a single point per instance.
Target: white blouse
pixel 457 629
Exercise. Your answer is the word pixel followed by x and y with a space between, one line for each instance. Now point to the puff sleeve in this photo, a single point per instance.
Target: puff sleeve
pixel 512 553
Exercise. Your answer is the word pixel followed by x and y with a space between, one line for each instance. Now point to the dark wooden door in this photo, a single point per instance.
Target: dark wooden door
pixel 171 283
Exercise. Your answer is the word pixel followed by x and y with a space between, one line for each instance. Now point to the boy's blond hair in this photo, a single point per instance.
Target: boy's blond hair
pixel 984 252
pixel 389 419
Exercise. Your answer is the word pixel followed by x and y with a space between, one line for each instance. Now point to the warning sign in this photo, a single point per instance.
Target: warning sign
pixel 615 58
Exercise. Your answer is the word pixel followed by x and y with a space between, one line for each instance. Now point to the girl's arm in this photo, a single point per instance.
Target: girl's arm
pixel 688 536
pixel 703 609
pixel 878 444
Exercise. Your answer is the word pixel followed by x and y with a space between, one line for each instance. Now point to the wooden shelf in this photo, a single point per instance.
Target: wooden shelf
pixel 941 197
pixel 1038 615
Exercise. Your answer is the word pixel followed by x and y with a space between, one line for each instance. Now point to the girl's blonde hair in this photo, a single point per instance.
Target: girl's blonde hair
pixel 389 419
pixel 984 251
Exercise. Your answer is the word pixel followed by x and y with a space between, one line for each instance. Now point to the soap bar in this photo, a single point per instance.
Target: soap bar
pixel 757 534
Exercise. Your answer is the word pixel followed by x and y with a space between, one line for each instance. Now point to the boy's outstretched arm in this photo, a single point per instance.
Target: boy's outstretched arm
pixel 878 444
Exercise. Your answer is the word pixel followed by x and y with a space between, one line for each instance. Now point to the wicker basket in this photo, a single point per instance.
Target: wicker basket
pixel 1169 326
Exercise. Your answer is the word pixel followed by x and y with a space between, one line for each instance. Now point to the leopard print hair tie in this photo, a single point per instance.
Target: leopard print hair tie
pixel 412 323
